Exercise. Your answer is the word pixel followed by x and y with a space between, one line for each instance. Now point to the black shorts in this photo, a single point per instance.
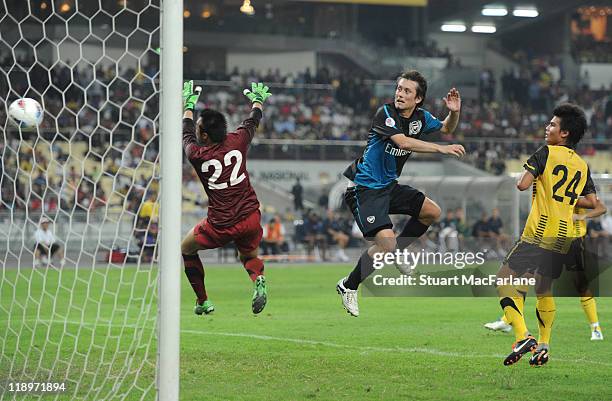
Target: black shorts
pixel 526 258
pixel 575 259
pixel 372 207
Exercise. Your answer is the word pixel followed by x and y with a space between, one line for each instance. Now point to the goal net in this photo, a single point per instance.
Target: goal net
pixel 80 310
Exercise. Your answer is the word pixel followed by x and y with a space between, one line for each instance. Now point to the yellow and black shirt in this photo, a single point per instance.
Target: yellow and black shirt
pixel 561 177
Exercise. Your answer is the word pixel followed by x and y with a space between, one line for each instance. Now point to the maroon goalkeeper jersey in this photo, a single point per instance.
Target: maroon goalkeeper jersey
pixel 222 171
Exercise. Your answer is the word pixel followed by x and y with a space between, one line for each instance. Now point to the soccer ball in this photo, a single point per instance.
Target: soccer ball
pixel 26 112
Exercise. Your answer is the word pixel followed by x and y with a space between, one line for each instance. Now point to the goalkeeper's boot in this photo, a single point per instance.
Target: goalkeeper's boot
pixel 498 325
pixel 260 295
pixel 205 307
pixel 540 356
pixel 519 349
pixel 349 298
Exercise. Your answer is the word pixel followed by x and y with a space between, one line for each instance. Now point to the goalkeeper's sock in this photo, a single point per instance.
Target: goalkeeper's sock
pixel 411 232
pixel 512 303
pixel 364 267
pixel 590 310
pixel 254 267
pixel 194 270
pixel 545 312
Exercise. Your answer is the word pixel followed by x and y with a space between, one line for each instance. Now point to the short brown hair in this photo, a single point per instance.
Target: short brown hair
pixel 416 76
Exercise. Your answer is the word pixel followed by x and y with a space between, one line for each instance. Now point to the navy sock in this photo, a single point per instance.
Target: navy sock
pixel 411 232
pixel 362 270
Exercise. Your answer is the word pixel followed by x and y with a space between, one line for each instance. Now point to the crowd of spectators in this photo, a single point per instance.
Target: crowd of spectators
pixel 52 182
pixel 96 99
pixel 114 110
pixel 110 109
pixel 342 111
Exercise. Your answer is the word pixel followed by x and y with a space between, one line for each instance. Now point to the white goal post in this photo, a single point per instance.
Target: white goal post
pixel 171 197
pixel 95 312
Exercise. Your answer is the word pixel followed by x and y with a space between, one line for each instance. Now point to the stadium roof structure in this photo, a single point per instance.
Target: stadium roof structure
pixel 469 12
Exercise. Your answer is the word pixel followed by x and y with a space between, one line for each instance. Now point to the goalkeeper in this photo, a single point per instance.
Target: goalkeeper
pixel 219 159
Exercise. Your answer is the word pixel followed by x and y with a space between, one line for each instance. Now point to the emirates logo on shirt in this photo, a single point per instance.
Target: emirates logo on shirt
pixel 389 122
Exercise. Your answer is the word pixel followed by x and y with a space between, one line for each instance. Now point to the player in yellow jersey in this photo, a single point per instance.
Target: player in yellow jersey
pixel 558 176
pixel 577 262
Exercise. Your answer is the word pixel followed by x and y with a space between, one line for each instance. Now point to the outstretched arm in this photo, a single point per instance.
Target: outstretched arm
pixel 416 145
pixel 453 103
pixel 188 114
pixel 258 94
pixel 190 98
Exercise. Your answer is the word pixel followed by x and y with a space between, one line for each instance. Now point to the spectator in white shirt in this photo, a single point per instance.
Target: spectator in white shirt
pixel 46 246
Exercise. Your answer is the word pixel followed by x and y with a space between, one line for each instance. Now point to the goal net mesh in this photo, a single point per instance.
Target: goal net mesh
pixel 85 315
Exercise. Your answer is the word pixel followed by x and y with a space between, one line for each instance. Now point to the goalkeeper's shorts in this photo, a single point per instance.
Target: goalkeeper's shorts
pixel 246 234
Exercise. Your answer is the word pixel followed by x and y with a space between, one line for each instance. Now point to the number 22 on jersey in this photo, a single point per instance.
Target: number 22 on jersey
pixel 233 157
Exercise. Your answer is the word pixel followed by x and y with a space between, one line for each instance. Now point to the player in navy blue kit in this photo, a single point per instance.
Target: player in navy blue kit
pixel 374 193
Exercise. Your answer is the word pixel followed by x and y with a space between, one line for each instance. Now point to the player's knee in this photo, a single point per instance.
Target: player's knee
pixel 430 213
pixel 187 248
pixel 390 248
pixel 388 245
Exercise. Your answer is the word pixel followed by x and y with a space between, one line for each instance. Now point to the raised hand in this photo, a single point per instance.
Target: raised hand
pixel 258 93
pixel 190 95
pixel 453 100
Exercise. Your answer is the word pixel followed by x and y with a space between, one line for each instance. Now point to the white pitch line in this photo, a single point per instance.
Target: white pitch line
pixel 430 351
pixel 334 345
pixel 420 350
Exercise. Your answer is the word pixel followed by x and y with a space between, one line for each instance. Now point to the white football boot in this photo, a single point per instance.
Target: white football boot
pixel 349 298
pixel 498 325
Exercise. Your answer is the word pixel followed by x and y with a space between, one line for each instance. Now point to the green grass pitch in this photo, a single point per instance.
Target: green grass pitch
pixel 303 346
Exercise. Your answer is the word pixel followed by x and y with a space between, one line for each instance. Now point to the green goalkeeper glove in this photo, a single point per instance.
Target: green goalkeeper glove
pixel 258 93
pixel 190 95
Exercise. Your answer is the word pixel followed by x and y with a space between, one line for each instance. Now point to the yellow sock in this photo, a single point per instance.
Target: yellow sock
pixel 545 311
pixel 523 289
pixel 512 303
pixel 589 306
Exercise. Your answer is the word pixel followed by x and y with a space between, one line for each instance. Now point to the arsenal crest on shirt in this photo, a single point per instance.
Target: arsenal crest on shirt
pixel 414 127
